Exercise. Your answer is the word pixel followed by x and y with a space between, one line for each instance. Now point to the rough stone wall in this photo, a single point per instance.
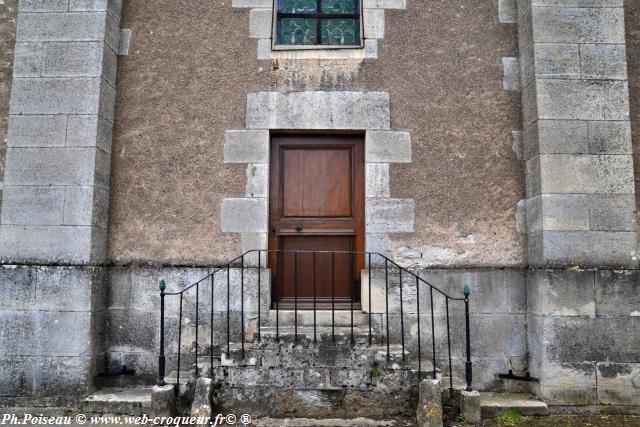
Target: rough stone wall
pixel 8 13
pixel 52 335
pixel 582 336
pixel 498 304
pixel 632 21
pixel 185 82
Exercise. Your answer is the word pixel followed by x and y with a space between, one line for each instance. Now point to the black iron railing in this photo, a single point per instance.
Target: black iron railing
pixel 374 262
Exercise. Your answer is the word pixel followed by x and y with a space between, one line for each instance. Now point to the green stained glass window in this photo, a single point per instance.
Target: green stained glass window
pixel 339 6
pixel 339 32
pixel 318 22
pixel 297 31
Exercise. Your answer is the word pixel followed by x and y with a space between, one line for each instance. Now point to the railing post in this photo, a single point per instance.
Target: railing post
pixel 161 359
pixel 469 367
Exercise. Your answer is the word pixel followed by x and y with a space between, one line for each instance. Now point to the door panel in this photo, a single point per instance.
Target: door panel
pixel 316 204
pixel 317 182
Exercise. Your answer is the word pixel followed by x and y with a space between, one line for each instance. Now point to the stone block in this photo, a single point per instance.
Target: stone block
pixel 610 339
pixel 18 287
pixel 511 73
pixel 561 293
pixel 55 96
pixel 125 42
pixel 37 131
pixel 385 4
pixel 42 244
pixel 609 137
pixel 517 143
pixel 617 293
pixel 378 243
pixel 529 104
pixel 470 406
pixel 562 137
pixel 578 25
pixel 558 212
pixel 27 59
pixel 385 215
pixel 377 180
pixel 64 376
pixel 373 23
pixel 582 99
pixel 246 146
pixel 251 242
pixel 618 383
pixel 388 147
pixel 112 7
pixel 51 166
pixel 507 11
pixel 318 110
pixel 566 173
pixel 598 249
pixel 260 23
pixel 119 284
pixel 257 180
pixel 532 176
pixel 33 205
pixel 89 131
pixel 527 67
pixel 68 289
pixel 86 206
pixel 74 59
pixel 163 399
pixel 81 26
pixel 252 3
pixel 612 212
pixel 43 5
pixel 202 400
pixel 58 333
pixel 429 413
pixel 17 373
pixel 244 215
pixel 557 60
pixel 603 61
pixel 568 383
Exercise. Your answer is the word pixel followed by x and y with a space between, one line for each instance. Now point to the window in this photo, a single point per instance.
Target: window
pixel 308 23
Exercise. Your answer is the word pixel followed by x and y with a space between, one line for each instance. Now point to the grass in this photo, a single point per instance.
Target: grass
pixel 512 417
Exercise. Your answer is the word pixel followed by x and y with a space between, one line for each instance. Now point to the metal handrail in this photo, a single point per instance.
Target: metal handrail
pixel 387 263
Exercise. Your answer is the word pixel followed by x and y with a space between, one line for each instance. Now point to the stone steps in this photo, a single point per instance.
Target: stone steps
pixel 494 404
pixel 322 318
pixel 118 400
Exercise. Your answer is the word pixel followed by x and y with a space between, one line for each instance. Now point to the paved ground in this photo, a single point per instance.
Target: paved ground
pixel 562 421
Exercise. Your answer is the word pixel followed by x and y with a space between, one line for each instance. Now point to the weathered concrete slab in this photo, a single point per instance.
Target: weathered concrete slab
pixel 495 404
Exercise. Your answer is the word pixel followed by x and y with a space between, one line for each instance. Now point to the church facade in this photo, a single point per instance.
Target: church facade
pixel 486 144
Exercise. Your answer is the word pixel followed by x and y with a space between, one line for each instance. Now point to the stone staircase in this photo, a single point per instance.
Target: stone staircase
pixel 332 375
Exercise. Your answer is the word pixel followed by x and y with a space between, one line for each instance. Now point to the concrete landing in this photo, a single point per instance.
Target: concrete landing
pixel 494 404
pixel 113 400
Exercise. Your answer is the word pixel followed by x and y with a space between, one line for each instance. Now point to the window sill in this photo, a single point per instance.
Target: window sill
pixel 267 51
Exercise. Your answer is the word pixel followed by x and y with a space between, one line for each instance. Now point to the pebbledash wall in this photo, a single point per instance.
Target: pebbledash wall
pixel 107 191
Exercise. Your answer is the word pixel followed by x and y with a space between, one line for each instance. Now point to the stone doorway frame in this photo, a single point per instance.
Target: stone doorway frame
pixel 318 111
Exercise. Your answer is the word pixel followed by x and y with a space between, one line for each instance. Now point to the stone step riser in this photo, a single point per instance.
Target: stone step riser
pixel 376 402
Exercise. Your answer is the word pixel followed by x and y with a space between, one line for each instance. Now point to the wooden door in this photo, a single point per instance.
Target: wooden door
pixel 316 204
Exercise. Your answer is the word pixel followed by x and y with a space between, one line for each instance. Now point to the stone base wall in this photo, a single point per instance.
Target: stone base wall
pixel 575 330
pixel 583 336
pixel 52 333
